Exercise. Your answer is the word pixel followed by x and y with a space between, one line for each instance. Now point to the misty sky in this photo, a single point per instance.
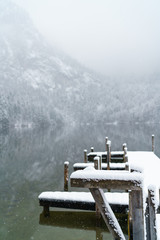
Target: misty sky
pixel 109 36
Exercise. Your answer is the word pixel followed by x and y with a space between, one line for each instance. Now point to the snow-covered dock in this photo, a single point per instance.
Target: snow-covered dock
pixel 83 200
pixel 134 172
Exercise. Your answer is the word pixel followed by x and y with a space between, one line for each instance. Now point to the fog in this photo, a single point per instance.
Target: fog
pixel 111 37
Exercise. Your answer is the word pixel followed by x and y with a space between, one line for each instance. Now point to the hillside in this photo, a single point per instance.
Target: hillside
pixel 43 87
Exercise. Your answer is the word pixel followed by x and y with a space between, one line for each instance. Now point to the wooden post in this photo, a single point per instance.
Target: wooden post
pixel 97 163
pixel 92 149
pixel 85 156
pixel 107 214
pixel 136 215
pixel 152 215
pixel 66 167
pixel 127 166
pixel 46 211
pixel 148 235
pixel 125 151
pixel 126 158
pixel 124 145
pixel 97 166
pixel 106 140
pixel 108 154
pixel 153 143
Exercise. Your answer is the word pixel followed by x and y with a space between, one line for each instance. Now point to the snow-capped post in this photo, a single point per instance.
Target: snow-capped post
pixel 106 140
pixel 152 143
pixel 124 150
pixel 124 145
pixel 108 154
pixel 92 149
pixel 97 163
pixel 125 156
pixel 66 167
pixel 85 156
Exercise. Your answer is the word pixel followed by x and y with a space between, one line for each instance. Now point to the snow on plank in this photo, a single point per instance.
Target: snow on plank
pixel 91 178
pixel 82 200
pixel 113 166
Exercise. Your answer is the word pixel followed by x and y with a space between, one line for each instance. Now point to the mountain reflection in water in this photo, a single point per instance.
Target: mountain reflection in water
pixel 32 162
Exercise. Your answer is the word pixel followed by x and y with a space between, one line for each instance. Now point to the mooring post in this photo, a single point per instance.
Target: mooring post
pixel 127 165
pixel 124 145
pixel 108 154
pixel 126 158
pixel 85 156
pixel 136 215
pixel 124 148
pixel 66 168
pixel 97 164
pixel 92 149
pixel 153 143
pixel 106 140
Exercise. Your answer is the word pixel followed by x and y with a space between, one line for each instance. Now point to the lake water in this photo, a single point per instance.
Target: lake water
pixel 32 162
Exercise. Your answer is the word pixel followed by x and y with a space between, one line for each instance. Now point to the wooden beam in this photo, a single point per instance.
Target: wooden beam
pixel 107 214
pixel 123 180
pixel 111 184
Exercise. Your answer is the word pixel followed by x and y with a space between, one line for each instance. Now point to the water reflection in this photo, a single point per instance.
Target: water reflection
pixel 80 220
pixel 32 162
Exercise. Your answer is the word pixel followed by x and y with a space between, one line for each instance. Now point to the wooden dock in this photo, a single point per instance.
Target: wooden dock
pixel 82 201
pixel 132 173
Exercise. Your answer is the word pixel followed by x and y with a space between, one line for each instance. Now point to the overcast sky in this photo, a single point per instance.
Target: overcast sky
pixel 109 36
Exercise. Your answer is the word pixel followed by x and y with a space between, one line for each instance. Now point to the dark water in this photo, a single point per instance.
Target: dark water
pixel 32 162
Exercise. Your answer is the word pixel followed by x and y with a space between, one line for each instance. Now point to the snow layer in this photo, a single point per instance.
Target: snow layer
pixel 149 164
pixel 104 165
pixel 91 173
pixel 114 198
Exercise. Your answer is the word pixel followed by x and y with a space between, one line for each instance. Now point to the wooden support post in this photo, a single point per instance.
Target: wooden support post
pixel 92 149
pixel 136 215
pixel 107 214
pixel 106 140
pixel 125 151
pixel 127 166
pixel 46 210
pixel 97 163
pixel 124 145
pixel 126 158
pixel 148 235
pixel 97 166
pixel 108 154
pixel 152 215
pixel 153 143
pixel 85 156
pixel 66 168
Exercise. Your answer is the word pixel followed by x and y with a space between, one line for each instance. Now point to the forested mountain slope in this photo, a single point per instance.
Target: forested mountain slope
pixel 40 86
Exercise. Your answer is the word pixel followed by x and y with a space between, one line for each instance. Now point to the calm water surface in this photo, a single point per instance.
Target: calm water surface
pixel 32 162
